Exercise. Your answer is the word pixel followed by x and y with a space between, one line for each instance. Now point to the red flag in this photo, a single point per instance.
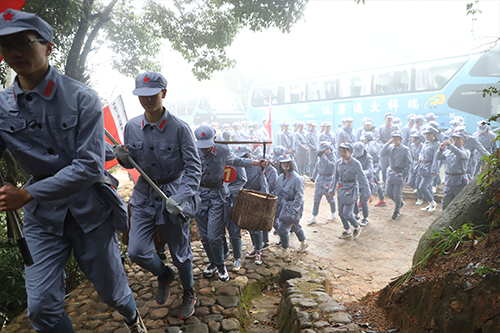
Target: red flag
pixel 115 119
pixel 14 4
pixel 267 124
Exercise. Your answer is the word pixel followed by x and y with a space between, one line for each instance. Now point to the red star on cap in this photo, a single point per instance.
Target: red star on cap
pixel 146 79
pixel 203 134
pixel 8 16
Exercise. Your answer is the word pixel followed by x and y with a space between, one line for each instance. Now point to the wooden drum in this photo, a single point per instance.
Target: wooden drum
pixel 254 210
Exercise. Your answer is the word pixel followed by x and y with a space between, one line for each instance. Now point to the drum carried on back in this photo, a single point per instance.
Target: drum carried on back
pixel 254 210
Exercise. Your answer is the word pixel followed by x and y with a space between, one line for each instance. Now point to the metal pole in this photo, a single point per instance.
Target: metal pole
pixel 144 175
pixel 15 222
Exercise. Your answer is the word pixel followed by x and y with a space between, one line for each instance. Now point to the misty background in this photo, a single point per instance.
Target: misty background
pixel 333 36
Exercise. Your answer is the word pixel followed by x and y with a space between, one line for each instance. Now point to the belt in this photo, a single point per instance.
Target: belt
pixel 326 174
pixel 166 180
pixel 348 181
pixel 397 170
pixel 211 185
pixel 286 199
pixel 455 174
pixel 415 159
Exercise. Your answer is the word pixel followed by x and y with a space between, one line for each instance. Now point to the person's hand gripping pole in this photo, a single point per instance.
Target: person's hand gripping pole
pixel 121 153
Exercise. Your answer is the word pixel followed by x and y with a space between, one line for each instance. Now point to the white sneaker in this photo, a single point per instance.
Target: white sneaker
pixel 432 206
pixel 303 246
pixel 138 326
pixel 283 253
pixel 419 202
pixel 331 217
pixel 434 189
pixel 415 191
pixel 346 234
pixel 312 220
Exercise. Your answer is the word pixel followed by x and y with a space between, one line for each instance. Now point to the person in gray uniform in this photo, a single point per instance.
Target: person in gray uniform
pixel 312 144
pixel 475 147
pixel 327 135
pixel 408 129
pixel 350 180
pixel 373 148
pixel 164 147
pixel 54 127
pixel 301 149
pixel 213 192
pixel 487 140
pixel 288 140
pixel 384 135
pixel 367 127
pixel 455 163
pixel 417 142
pixel 290 193
pixel 399 167
pixel 323 181
pixel 233 187
pixel 427 169
pixel 361 154
pixel 347 133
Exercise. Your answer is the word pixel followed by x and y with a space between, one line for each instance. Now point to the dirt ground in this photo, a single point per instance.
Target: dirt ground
pixel 383 251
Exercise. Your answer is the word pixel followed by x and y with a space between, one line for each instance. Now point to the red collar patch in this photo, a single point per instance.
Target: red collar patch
pixel 162 124
pixel 48 88
pixel 213 150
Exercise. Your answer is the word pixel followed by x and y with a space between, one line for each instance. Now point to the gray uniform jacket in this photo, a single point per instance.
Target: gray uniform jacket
pixel 300 148
pixel 385 133
pixel 475 147
pixel 426 166
pixel 455 164
pixel 349 177
pixel 399 160
pixel 290 192
pixel 163 150
pixel 73 117
pixel 323 174
pixel 346 135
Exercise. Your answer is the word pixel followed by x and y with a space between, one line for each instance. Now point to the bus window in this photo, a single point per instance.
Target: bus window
pixel 260 97
pixel 487 65
pixel 469 98
pixel 392 81
pixel 354 85
pixel 205 103
pixel 435 75
pixel 297 92
pixel 190 105
pixel 331 86
pixel 314 92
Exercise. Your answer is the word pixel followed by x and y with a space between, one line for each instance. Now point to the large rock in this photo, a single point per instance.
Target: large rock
pixel 469 206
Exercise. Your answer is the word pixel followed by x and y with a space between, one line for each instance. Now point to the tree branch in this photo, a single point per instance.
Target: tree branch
pixel 72 62
pixel 102 19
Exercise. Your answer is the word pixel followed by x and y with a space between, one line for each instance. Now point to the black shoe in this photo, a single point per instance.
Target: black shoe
pixel 265 246
pixel 138 325
pixel 162 255
pixel 357 217
pixel 188 304
pixel 223 274
pixel 210 271
pixel 164 281
pixel 396 215
pixel 278 243
pixel 363 222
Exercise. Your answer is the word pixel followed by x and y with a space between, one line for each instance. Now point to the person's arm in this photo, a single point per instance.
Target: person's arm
pixel 364 186
pixel 463 154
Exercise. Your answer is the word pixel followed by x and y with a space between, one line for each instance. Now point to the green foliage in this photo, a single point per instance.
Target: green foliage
pixel 484 271
pixel 472 9
pixel 200 30
pixel 490 174
pixel 13 291
pixel 443 240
